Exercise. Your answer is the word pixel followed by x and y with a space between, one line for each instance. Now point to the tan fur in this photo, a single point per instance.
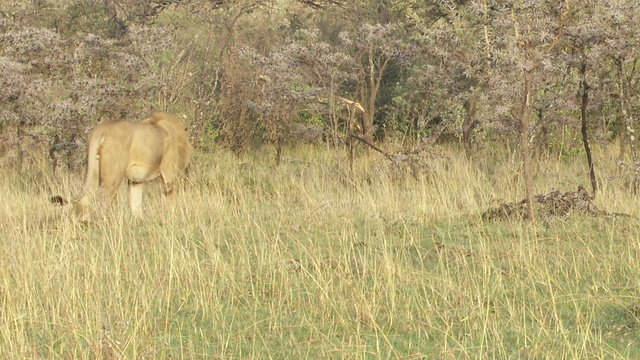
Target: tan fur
pixel 157 147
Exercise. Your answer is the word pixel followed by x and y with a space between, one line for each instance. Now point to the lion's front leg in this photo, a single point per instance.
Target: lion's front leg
pixel 135 199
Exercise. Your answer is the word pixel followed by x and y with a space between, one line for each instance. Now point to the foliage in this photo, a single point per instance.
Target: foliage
pixel 58 85
pixel 441 54
pixel 248 72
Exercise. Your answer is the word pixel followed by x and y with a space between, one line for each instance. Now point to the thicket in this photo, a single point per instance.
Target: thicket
pixel 546 76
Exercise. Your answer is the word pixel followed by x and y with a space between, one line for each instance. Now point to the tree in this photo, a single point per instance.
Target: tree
pixel 61 83
pixel 536 32
pixel 376 46
pixel 458 44
pixel 618 24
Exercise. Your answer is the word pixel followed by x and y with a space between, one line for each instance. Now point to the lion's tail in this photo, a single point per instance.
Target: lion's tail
pixel 95 140
pixel 93 159
pixel 58 200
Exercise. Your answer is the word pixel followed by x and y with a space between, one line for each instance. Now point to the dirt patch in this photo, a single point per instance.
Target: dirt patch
pixel 549 205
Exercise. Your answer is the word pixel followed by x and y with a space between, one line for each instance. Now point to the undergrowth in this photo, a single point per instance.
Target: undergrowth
pixel 311 260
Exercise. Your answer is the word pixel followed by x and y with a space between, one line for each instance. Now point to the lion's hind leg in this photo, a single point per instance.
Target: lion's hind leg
pixel 92 177
pixel 135 199
pixel 82 206
pixel 112 167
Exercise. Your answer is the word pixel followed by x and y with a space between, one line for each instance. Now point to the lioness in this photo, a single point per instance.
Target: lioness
pixel 141 152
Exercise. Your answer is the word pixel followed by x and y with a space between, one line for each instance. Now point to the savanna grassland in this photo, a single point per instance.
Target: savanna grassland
pixel 306 260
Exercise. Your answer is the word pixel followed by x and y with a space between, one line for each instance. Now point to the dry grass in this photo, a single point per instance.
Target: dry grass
pixel 306 261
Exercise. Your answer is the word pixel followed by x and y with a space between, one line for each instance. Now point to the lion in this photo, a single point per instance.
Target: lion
pixel 156 147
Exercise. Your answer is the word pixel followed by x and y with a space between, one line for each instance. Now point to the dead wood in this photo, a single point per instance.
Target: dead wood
pixel 550 205
pixel 416 160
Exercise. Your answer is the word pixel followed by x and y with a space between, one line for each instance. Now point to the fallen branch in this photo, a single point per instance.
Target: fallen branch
pixel 368 143
pixel 415 159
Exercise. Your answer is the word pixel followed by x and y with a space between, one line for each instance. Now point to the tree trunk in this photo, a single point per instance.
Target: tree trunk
pixel 52 152
pixel 583 129
pixel 367 117
pixel 333 116
pixel 20 133
pixel 279 147
pixel 350 144
pixel 622 138
pixel 375 78
pixel 629 124
pixel 468 124
pixel 523 116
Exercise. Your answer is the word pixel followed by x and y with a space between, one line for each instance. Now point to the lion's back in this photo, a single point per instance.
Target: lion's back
pixel 122 145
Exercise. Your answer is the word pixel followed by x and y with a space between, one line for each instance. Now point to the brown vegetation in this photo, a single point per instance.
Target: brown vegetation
pixel 553 204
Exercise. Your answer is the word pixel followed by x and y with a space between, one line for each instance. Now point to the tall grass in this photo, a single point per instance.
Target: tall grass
pixel 307 260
